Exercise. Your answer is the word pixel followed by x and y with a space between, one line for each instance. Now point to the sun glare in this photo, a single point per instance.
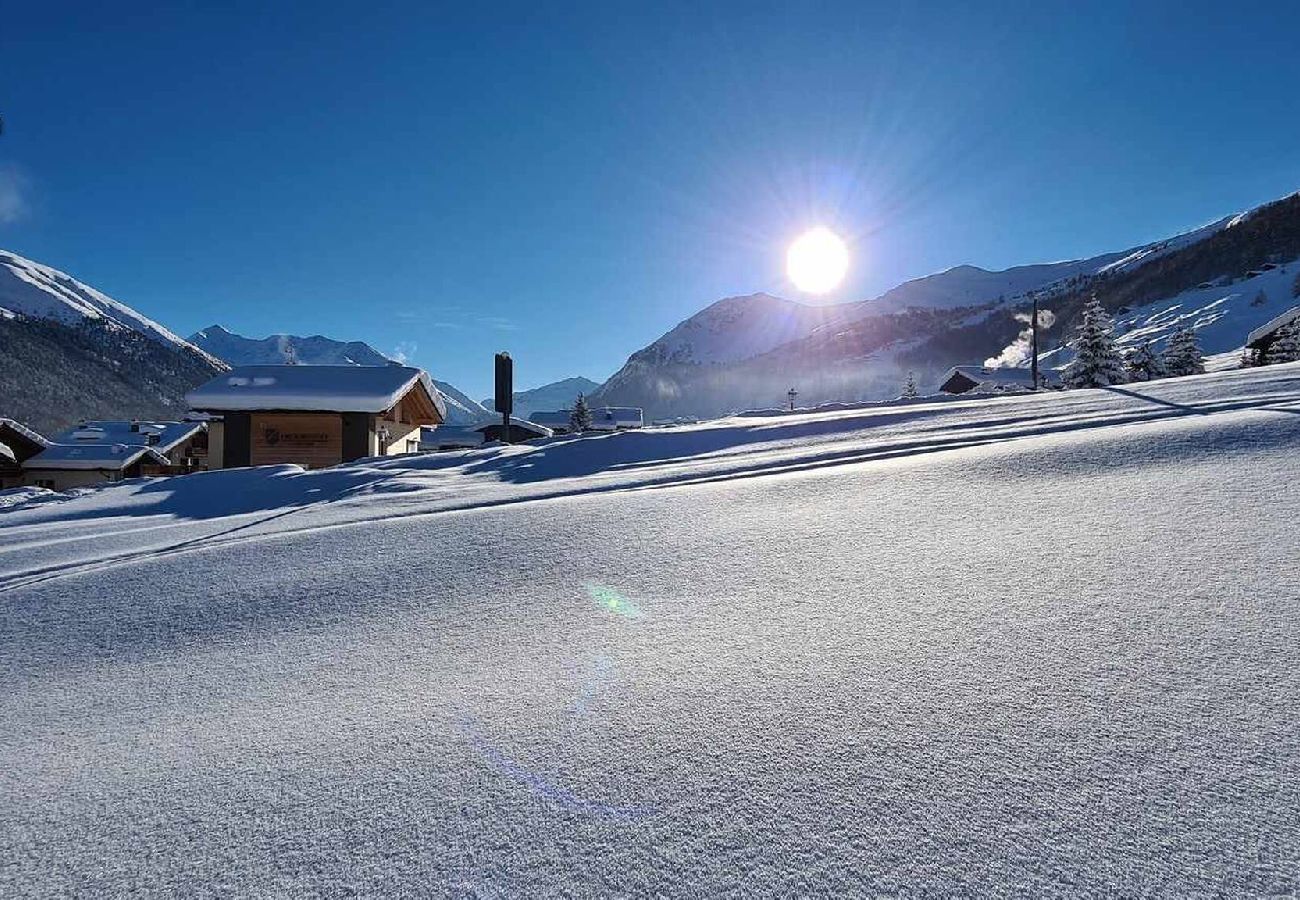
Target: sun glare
pixel 817 261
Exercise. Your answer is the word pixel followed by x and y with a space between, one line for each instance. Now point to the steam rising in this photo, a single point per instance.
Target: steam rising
pixel 1017 352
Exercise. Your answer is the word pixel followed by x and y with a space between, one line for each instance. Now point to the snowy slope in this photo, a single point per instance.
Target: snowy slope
pixel 1030 646
pixel 461 410
pixel 1221 315
pixel 738 328
pixel 30 289
pixel 973 286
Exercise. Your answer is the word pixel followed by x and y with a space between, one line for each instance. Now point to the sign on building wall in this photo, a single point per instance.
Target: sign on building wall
pixel 307 440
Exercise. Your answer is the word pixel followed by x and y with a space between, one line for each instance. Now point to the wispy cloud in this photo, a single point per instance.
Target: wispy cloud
pixel 501 323
pixel 13 193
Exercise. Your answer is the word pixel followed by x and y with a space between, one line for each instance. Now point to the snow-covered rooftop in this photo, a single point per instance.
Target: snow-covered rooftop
pixel 1273 325
pixel 999 377
pixel 112 445
pixel 92 456
pixel 617 417
pixel 369 389
pixel 6 454
pixel 22 429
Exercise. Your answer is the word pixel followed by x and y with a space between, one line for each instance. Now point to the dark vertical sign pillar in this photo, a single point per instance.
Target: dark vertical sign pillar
pixel 1033 345
pixel 505 392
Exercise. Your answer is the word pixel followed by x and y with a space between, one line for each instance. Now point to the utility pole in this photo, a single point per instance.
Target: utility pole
pixel 1033 344
pixel 790 395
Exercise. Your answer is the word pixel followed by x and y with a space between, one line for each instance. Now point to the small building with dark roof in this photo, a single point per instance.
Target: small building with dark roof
pixel 18 443
pixel 95 452
pixel 1262 338
pixel 520 430
pixel 984 379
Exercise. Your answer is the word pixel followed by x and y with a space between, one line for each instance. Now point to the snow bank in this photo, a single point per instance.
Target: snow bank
pixel 1022 646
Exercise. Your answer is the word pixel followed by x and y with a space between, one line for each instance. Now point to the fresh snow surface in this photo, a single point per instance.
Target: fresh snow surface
pixel 1223 316
pixel 31 289
pixel 1033 646
pixel 370 389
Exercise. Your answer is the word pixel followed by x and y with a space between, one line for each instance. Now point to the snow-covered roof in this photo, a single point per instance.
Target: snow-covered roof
pixel 92 456
pixel 539 430
pixel 22 429
pixel 985 376
pixel 368 389
pixel 112 445
pixel 1273 325
pixel 7 455
pixel 617 417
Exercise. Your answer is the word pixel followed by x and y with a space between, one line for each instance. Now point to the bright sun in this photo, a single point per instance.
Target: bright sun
pixel 816 261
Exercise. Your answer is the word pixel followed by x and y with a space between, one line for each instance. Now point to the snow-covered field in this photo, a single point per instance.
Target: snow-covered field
pixel 1024 645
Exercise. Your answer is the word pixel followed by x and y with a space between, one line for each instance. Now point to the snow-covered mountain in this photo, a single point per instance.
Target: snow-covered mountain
pixel 277 349
pixel 973 286
pixel 548 397
pixel 318 350
pixel 461 410
pixel 33 290
pixel 69 351
pixel 1222 280
pixel 747 351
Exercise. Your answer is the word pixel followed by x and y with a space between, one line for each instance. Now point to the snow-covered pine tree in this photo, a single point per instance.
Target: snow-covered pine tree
pixel 1286 346
pixel 1143 364
pixel 1183 355
pixel 909 388
pixel 1096 363
pixel 580 415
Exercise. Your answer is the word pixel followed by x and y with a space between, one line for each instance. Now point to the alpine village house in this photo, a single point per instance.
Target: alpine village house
pixel 315 416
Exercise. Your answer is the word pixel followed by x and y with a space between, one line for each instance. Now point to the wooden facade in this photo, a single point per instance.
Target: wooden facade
pixel 317 438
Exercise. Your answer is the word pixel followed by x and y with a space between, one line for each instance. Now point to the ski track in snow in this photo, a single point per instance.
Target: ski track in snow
pixel 1012 646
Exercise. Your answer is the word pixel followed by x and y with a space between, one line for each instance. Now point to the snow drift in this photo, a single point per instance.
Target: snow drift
pixel 1033 646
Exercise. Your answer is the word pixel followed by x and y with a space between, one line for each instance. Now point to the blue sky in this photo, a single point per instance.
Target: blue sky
pixel 568 181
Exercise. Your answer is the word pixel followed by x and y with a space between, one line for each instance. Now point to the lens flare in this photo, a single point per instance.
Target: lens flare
pixel 817 261
pixel 612 600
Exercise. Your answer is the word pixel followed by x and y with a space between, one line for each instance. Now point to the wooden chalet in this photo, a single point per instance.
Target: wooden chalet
pixel 315 416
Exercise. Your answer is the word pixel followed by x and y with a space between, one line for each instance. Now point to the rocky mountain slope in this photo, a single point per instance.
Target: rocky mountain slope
pixel 72 352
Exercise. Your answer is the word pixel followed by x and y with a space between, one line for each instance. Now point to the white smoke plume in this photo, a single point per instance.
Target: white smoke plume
pixel 1017 352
